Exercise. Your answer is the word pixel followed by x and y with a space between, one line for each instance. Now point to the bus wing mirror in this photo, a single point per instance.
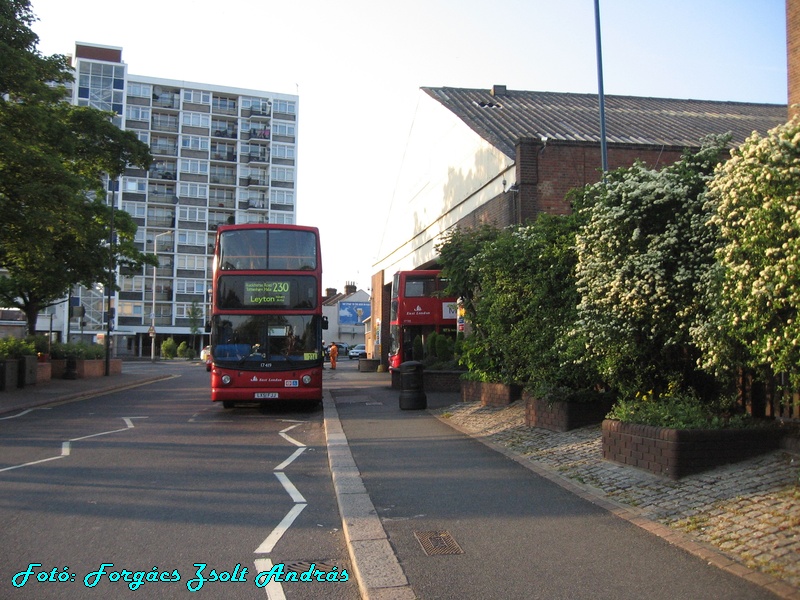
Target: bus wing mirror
pixel 208 326
pixel 324 322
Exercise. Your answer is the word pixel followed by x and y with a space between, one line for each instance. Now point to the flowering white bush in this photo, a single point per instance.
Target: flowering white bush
pixel 641 258
pixel 756 290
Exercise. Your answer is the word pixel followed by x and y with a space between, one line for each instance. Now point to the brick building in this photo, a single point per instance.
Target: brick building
pixel 502 157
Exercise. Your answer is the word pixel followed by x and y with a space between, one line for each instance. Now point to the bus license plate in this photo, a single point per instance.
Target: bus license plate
pixel 266 395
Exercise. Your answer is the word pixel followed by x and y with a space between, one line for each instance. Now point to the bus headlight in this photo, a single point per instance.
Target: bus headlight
pixel 306 379
pixel 226 379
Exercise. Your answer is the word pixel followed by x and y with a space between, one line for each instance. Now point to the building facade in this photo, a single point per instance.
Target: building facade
pixel 221 155
pixel 501 157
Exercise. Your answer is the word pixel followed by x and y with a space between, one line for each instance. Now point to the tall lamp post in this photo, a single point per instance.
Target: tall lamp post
pixel 112 183
pixel 153 312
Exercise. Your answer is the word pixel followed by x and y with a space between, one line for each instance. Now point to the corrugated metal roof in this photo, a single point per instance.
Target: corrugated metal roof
pixel 505 118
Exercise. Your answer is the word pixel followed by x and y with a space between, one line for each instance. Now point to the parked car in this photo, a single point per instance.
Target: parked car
pixel 343 349
pixel 357 351
pixel 205 356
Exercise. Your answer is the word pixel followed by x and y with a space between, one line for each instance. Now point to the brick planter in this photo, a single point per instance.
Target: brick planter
pixel 676 453
pixel 563 416
pixel 86 368
pixel 44 372
pixel 489 394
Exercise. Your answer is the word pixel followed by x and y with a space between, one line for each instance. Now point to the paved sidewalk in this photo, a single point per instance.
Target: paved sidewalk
pixel 63 390
pixel 736 516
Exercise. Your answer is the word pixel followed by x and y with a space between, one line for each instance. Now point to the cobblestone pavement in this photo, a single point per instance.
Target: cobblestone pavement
pixel 749 511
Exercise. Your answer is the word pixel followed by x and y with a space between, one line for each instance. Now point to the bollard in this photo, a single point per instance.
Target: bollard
pixel 412 393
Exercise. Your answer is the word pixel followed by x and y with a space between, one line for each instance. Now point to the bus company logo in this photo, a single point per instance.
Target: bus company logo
pixel 419 311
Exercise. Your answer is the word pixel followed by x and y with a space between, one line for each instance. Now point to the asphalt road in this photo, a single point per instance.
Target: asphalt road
pixel 156 480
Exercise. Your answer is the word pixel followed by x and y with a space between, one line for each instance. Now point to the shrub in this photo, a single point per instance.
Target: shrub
pixel 12 347
pixel 169 348
pixel 679 411
pixel 183 347
pixel 77 350
pixel 417 349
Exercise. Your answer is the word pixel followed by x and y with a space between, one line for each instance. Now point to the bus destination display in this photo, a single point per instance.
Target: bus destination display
pixel 267 293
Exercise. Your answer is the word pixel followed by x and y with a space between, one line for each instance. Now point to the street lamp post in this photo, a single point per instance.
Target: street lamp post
pixel 153 312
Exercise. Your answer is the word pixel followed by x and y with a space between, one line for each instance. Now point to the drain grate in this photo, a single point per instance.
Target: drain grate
pixel 301 566
pixel 438 543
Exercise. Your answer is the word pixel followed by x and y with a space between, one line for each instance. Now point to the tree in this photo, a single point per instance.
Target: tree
pixel 54 159
pixel 755 293
pixel 642 258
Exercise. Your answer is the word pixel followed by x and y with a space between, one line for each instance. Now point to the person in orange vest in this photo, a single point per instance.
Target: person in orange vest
pixel 334 355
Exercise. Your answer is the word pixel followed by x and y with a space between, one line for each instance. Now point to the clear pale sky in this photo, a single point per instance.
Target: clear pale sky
pixel 357 66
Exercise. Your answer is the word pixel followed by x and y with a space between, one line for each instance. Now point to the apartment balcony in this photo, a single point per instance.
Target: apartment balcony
pixel 260 134
pixel 164 149
pixel 223 179
pixel 261 157
pixel 167 100
pixel 223 156
pixel 161 123
pixel 224 133
pixel 163 174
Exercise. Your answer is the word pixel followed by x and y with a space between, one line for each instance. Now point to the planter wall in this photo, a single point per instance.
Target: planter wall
pixel 44 372
pixel 564 416
pixel 489 394
pixel 676 453
pixel 86 368
pixel 9 370
pixel 368 365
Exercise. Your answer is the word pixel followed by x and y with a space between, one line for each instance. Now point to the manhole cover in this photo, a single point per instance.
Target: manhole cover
pixel 437 543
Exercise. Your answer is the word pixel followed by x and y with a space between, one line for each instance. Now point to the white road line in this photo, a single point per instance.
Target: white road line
pixel 290 439
pixel 24 412
pixel 273 588
pixel 268 544
pixel 291 459
pixel 66 447
pixel 296 496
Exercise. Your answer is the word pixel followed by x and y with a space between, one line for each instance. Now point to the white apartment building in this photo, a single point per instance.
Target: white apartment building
pixel 221 155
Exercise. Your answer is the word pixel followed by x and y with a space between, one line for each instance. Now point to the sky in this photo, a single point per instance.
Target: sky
pixel 357 66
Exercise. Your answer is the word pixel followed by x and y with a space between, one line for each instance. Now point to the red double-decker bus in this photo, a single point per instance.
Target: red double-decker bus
pixel 266 315
pixel 418 307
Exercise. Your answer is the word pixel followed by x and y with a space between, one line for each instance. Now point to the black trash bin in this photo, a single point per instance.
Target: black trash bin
pixel 412 392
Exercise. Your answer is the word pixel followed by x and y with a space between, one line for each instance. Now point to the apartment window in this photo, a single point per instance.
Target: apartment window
pixel 195 167
pixel 184 311
pixel 279 196
pixel 281 218
pixel 224 104
pixel 190 286
pixel 195 119
pixel 134 185
pixel 286 107
pixel 282 174
pixel 192 238
pixel 130 309
pixel 193 190
pixel 135 209
pixel 142 136
pixel 286 129
pixel 192 213
pixel 132 284
pixel 191 262
pixel 194 142
pixel 196 97
pixel 283 151
pixel 140 90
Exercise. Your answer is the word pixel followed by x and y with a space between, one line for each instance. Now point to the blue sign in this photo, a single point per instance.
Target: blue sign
pixel 353 313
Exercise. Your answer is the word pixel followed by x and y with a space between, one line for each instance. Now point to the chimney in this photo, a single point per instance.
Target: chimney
pixel 498 90
pixel 350 287
pixel 330 292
